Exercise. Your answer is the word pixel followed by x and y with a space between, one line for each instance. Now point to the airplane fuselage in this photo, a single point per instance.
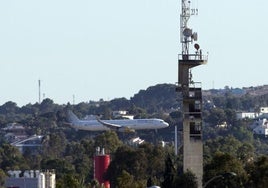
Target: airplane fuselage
pixel 118 124
pixel 135 124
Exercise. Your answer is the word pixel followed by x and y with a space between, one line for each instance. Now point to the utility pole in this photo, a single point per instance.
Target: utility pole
pixel 191 93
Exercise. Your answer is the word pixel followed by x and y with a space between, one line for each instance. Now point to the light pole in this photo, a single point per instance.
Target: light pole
pixel 223 176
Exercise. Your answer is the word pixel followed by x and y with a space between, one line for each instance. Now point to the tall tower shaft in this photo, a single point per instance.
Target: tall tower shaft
pixel 191 93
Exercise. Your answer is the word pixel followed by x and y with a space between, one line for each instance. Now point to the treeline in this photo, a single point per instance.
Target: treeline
pixel 234 148
pixel 70 152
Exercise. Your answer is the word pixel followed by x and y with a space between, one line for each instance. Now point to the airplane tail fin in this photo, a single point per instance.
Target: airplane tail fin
pixel 72 118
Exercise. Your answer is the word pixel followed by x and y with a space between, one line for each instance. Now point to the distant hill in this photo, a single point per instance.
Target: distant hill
pixel 158 97
pixel 154 99
pixel 257 91
pixel 164 97
pixel 253 91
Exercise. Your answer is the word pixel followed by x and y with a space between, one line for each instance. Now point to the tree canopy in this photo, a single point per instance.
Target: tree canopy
pixel 232 148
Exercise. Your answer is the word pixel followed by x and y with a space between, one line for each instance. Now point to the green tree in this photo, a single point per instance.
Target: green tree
pixel 138 112
pixel 219 101
pixel 132 161
pixel 169 173
pixel 230 116
pixel 155 156
pixel 222 163
pixel 186 180
pixel 120 103
pixel 108 140
pixel 11 158
pixel 61 166
pixel 216 117
pixel 258 172
pixel 54 145
pixel 233 102
pixel 228 144
pixel 9 108
pixel 70 181
pixel 47 105
pixel 245 153
pixel 126 180
pixel 242 133
pixel 82 160
pixel 3 177
pixel 82 108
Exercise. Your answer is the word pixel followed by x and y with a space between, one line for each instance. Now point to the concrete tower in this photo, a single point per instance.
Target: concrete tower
pixel 191 93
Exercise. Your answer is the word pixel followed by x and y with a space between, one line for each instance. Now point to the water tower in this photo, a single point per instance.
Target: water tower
pixel 101 164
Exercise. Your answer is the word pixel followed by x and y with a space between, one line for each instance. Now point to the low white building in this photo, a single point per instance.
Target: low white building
pixel 252 115
pixel 243 115
pixel 122 114
pixel 31 179
pixel 135 141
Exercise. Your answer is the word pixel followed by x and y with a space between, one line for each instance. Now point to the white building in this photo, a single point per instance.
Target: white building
pixel 261 127
pixel 252 115
pixel 222 125
pixel 122 114
pixel 136 141
pixel 263 110
pixel 31 179
pixel 243 115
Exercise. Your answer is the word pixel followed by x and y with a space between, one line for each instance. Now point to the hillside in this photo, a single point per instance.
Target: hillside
pixel 70 152
pixel 158 97
pixel 164 97
pixel 252 91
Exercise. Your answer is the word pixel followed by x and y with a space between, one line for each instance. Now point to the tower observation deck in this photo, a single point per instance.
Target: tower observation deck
pixel 191 93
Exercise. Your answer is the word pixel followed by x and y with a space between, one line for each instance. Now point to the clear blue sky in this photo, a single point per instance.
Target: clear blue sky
pixel 113 48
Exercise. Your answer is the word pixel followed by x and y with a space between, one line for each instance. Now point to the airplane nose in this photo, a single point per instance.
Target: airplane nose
pixel 166 124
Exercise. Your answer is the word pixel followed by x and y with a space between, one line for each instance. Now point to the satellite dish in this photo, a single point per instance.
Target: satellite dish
pixel 187 32
pixel 196 46
pixel 194 36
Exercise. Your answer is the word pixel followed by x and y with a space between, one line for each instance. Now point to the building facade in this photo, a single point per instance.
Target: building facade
pixel 31 179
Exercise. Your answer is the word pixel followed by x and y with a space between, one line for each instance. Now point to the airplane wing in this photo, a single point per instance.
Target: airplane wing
pixel 109 125
pixel 116 127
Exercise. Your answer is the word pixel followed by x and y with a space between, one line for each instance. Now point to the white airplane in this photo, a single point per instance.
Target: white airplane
pixel 121 125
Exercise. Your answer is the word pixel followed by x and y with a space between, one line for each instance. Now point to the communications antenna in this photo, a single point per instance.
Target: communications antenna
pixel 73 99
pixel 186 34
pixel 191 92
pixel 39 91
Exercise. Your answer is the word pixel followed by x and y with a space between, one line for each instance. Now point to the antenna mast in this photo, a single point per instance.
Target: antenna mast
pixel 187 35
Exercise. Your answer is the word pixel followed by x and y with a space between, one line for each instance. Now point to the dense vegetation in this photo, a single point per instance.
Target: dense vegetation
pixel 70 152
